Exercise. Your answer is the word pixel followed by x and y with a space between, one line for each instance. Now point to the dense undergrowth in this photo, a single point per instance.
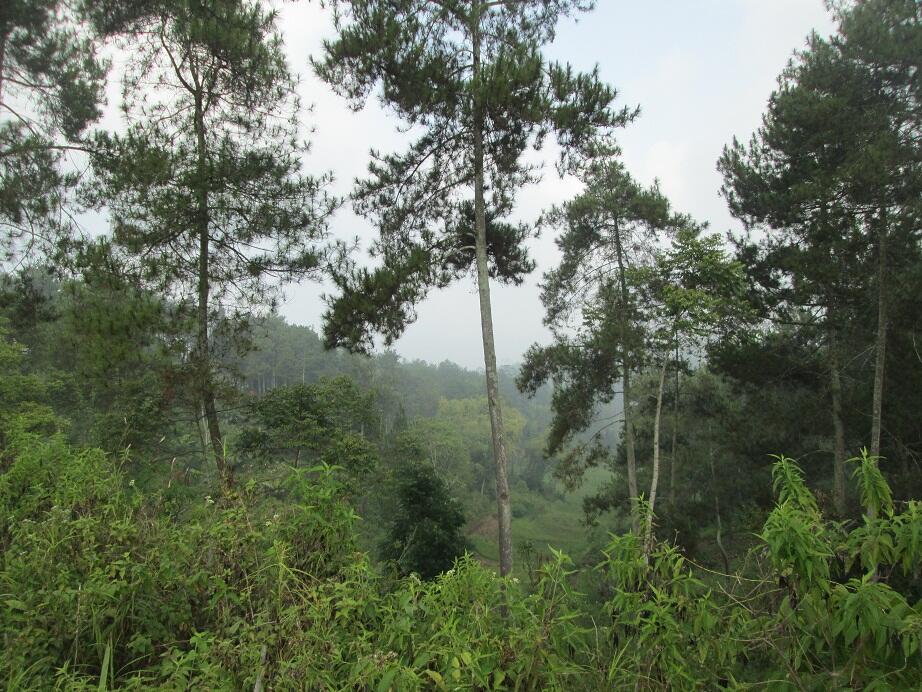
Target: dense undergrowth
pixel 106 586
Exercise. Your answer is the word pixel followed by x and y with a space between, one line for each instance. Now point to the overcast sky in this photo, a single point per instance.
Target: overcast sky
pixel 701 72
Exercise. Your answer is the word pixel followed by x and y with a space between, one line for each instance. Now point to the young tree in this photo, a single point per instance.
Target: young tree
pixel 692 293
pixel 426 532
pixel 51 84
pixel 469 76
pixel 592 307
pixel 205 191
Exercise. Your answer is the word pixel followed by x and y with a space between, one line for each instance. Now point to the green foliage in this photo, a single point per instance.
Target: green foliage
pixel 456 442
pixel 789 485
pixel 119 567
pixel 22 393
pixel 51 89
pixel 874 491
pixel 477 117
pixel 98 583
pixel 668 626
pixel 325 422
pixel 425 535
pixel 101 583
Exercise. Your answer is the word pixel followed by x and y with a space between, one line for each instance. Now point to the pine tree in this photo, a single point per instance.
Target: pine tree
pixel 609 231
pixel 835 176
pixel 470 76
pixel 51 88
pixel 208 203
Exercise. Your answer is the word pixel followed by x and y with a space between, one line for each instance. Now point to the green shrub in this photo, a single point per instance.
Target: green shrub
pixel 103 586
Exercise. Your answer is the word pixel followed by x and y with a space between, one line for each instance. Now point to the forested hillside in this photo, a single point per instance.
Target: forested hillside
pixel 706 477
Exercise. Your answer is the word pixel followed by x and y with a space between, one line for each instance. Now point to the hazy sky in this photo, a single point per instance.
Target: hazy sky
pixel 701 72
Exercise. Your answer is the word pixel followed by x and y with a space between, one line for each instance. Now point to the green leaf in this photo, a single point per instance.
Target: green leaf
pixel 388 678
pixel 436 678
pixel 104 672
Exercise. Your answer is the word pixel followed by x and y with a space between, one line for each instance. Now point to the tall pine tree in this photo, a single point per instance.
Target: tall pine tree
pixel 469 75
pixel 207 200
pixel 608 232
pixel 834 176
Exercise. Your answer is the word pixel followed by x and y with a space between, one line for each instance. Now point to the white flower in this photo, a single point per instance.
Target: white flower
pixel 131 483
pixel 208 500
pixel 515 580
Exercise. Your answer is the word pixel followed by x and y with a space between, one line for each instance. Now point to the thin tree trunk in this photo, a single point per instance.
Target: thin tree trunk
pixel 200 426
pixel 206 386
pixel 632 488
pixel 835 390
pixel 719 536
pixel 881 339
pixel 654 481
pixel 673 462
pixel 503 506
pixel 2 62
pixel 626 377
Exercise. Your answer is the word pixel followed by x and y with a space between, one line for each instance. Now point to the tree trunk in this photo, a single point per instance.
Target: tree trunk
pixel 719 536
pixel 881 339
pixel 673 462
pixel 654 481
pixel 626 377
pixel 200 426
pixel 629 446
pixel 2 62
pixel 503 506
pixel 206 386
pixel 835 390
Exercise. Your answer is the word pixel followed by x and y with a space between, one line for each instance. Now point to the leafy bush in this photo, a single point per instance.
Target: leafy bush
pixel 426 532
pixel 104 586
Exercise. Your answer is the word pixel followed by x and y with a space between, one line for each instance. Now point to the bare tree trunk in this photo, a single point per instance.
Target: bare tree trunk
pixel 673 461
pixel 654 481
pixel 626 377
pixel 632 488
pixel 200 426
pixel 881 339
pixel 2 62
pixel 503 505
pixel 835 390
pixel 719 536
pixel 206 386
